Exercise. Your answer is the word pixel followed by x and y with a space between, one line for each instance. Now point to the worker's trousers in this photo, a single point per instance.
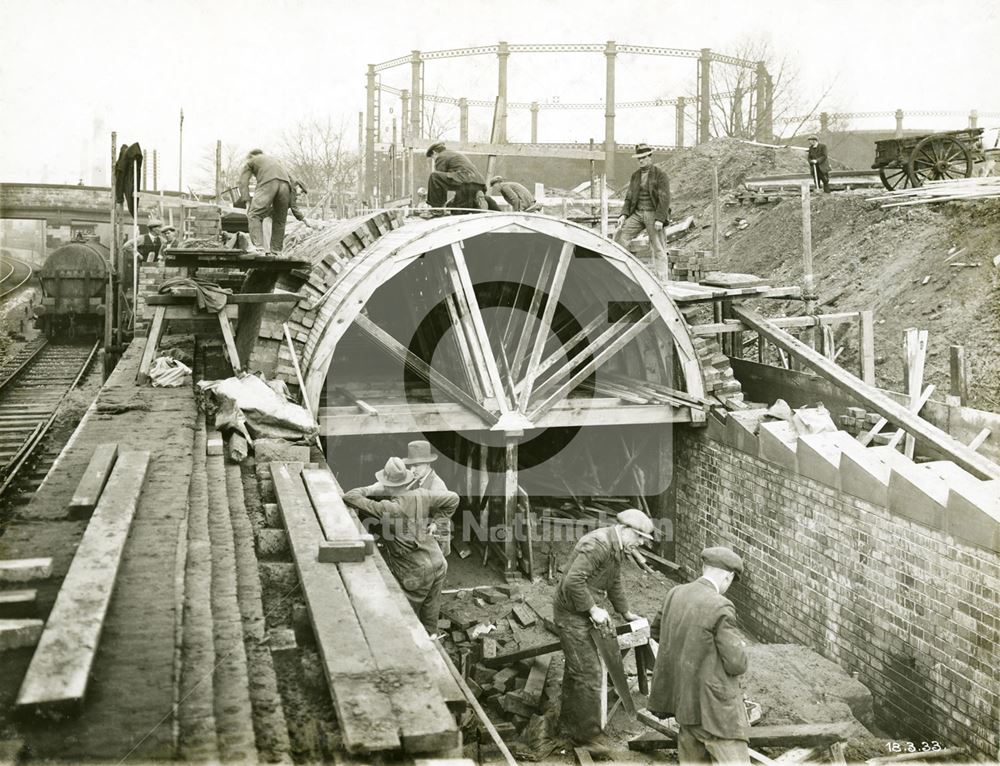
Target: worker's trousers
pixel 697 746
pixel 633 226
pixel 423 591
pixel 580 709
pixel 270 200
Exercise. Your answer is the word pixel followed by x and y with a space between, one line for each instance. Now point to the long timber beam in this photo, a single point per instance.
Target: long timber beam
pixel 422 418
pixel 897 414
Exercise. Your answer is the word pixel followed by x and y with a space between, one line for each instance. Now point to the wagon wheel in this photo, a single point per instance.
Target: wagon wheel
pixel 894 177
pixel 940 157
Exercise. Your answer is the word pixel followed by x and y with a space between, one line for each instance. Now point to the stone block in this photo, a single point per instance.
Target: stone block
pixel 25 570
pixel 917 493
pixel 18 604
pixel 281 641
pixel 272 516
pixel 864 472
pixel 741 430
pixel 819 456
pixel 973 513
pixel 777 443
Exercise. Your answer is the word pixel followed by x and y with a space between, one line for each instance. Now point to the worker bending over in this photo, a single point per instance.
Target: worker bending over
pixel 412 553
pixel 594 567
pixel 517 195
pixel 271 198
pixel 455 172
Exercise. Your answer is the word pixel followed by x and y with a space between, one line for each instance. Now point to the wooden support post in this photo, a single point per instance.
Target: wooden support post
pixel 808 280
pixel 959 387
pixel 510 498
pixel 866 326
pixel 916 354
pixel 715 211
pixel 230 341
pixel 151 342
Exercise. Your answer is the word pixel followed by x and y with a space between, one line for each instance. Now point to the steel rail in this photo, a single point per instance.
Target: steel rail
pixel 21 367
pixel 20 284
pixel 32 442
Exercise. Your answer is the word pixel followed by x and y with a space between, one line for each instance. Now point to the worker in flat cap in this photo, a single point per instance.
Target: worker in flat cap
pixel 517 195
pixel 412 554
pixel 819 164
pixel 701 657
pixel 454 171
pixel 420 459
pixel 647 204
pixel 593 568
pixel 148 245
pixel 270 200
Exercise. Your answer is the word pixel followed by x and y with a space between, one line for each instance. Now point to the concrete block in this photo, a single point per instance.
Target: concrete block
pixel 24 570
pixel 864 472
pixel 16 634
pixel 338 552
pixel 917 493
pixel 716 429
pixel 819 456
pixel 213 446
pixel 741 430
pixel 777 443
pixel 973 513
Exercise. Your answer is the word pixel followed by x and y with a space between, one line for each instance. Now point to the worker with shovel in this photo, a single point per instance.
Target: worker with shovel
pixel 593 566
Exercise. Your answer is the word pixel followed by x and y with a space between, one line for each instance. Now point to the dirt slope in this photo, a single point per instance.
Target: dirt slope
pixel 864 257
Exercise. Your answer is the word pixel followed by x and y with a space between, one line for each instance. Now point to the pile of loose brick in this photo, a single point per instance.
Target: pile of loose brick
pixel 510 694
pixel 691 267
pixel 858 421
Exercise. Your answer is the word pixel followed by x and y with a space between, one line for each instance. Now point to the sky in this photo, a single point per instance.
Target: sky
pixel 247 72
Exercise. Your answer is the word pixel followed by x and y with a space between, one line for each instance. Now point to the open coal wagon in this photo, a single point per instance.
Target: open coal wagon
pixel 913 160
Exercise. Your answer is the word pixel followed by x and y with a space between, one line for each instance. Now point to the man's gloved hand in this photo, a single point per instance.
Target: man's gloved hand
pixel 599 615
pixel 241 202
pixel 658 225
pixel 621 221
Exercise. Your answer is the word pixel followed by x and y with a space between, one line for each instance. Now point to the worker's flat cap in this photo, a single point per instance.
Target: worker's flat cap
pixel 165 229
pixel 814 138
pixel 642 150
pixel 723 558
pixel 637 520
pixel 496 180
pixel 438 147
pixel 154 225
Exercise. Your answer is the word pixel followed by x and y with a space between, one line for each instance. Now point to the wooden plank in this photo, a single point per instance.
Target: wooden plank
pixel 149 350
pixel 345 542
pixel 866 327
pixel 594 364
pixel 422 369
pixel 19 634
pixel 425 723
pixel 788 735
pixel 60 668
pixel 489 356
pixel 979 438
pixel 874 399
pixel 915 408
pixel 364 712
pixel 25 570
pixel 735 326
pixel 918 342
pixel 513 150
pixel 545 324
pixel 531 319
pixel 535 685
pixel 230 341
pixel 187 298
pixel 523 615
pixel 88 491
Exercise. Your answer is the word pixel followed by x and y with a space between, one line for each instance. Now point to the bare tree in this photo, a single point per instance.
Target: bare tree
pixel 318 153
pixel 439 119
pixel 734 107
pixel 233 159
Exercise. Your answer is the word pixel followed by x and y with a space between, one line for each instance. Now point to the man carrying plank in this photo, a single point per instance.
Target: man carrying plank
pixel 412 553
pixel 700 659
pixel 594 565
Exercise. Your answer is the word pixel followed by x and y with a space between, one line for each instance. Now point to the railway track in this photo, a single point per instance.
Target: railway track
pixel 32 386
pixel 14 274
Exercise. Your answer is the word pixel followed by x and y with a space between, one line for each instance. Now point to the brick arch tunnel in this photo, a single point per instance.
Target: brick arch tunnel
pixel 533 353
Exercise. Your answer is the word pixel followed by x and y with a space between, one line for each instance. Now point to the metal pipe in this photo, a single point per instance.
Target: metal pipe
pixel 369 128
pixel 503 54
pixel 705 95
pixel 610 52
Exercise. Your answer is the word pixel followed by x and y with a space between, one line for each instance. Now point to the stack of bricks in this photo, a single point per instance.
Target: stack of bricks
pixel 691 267
pixel 858 421
pixel 717 373
pixel 206 222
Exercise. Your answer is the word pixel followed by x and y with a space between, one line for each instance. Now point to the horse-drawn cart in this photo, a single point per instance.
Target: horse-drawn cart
pixel 912 160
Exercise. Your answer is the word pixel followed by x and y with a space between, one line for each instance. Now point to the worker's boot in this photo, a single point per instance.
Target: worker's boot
pixel 599 745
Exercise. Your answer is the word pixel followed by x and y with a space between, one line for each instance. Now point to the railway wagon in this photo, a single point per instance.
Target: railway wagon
pixel 74 280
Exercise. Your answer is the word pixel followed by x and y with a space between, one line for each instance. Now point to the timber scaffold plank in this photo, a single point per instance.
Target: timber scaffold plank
pixel 383 689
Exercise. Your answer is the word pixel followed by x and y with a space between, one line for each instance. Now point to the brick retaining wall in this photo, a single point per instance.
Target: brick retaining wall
pixel 910 609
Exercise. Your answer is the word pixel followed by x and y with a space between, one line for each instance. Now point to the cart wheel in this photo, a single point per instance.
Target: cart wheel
pixel 940 157
pixel 896 177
